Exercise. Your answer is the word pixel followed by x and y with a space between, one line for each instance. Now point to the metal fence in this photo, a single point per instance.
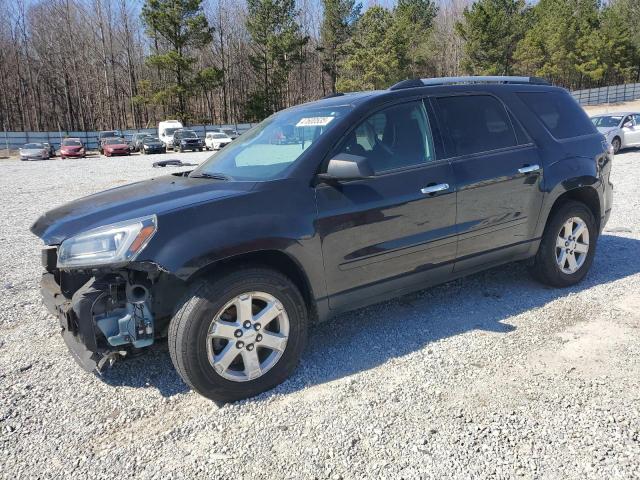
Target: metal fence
pixel 612 94
pixel 15 140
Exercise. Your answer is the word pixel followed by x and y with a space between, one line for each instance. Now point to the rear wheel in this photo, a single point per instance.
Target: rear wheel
pixel 567 247
pixel 239 335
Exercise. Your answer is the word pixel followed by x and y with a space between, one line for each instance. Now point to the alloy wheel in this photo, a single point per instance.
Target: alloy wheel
pixel 247 336
pixel 572 245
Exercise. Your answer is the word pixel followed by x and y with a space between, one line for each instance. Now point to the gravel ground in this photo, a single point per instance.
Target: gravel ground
pixel 489 376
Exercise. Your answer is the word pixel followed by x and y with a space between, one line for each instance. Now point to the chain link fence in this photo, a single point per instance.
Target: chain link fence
pixel 611 94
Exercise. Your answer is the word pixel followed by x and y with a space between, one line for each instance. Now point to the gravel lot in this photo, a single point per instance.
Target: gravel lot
pixel 489 376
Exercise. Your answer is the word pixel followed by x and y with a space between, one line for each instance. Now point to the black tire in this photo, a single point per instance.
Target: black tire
pixel 616 143
pixel 545 268
pixel 189 326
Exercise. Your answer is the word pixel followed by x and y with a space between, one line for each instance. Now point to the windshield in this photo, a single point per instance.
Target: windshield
pixel 150 139
pixel 217 135
pixel 71 143
pixel 114 141
pixel 189 134
pixel 112 133
pixel 608 121
pixel 33 146
pixel 269 148
pixel 169 131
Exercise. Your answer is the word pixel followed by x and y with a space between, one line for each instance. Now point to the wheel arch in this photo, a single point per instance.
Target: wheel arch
pixel 586 194
pixel 273 259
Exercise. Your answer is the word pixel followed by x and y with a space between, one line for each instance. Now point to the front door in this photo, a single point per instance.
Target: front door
pixel 383 235
pixel 498 173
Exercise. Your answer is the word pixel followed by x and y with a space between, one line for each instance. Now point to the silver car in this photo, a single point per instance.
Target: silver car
pixel 34 151
pixel 621 129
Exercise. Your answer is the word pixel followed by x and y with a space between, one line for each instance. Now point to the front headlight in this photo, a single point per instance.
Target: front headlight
pixel 118 243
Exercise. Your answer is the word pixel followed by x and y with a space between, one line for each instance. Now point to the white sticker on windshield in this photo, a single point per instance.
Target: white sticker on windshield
pixel 314 121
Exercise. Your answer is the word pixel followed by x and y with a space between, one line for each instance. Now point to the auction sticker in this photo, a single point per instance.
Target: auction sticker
pixel 314 121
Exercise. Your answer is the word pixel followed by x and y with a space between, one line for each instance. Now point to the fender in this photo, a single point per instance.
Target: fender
pixel 233 227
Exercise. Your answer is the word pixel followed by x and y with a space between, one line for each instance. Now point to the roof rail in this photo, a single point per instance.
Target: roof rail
pixel 425 82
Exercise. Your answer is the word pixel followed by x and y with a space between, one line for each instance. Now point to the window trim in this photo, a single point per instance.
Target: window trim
pixel 510 115
pixel 420 99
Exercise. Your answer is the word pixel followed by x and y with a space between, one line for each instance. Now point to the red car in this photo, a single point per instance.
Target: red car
pixel 115 146
pixel 72 147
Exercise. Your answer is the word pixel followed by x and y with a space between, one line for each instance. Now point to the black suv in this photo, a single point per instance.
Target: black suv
pixel 187 140
pixel 381 193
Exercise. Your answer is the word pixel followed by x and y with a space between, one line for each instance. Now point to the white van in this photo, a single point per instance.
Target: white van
pixel 165 131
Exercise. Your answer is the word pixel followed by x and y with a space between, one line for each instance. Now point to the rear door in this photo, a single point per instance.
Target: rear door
pixel 386 234
pixel 498 174
pixel 632 133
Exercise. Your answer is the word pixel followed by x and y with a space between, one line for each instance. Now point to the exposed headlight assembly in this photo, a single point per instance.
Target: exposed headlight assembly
pixel 113 244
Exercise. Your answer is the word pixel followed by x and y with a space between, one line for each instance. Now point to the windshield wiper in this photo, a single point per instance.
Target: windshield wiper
pixel 213 176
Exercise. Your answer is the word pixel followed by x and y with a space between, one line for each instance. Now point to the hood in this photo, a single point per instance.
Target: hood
pixel 116 145
pixel 158 195
pixel 606 130
pixel 32 151
pixel 71 147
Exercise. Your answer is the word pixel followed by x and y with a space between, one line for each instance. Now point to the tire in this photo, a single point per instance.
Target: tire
pixel 616 143
pixel 189 345
pixel 546 267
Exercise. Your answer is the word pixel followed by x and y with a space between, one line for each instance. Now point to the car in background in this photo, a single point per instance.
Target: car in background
pixel 72 148
pixel 622 130
pixel 166 129
pixel 232 133
pixel 107 134
pixel 187 140
pixel 152 145
pixel 216 140
pixel 35 151
pixel 51 148
pixel 137 140
pixel 115 146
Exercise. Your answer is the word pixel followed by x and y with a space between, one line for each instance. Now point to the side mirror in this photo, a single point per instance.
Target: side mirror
pixel 347 167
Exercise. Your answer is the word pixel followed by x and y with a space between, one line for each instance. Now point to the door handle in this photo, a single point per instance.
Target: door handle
pixel 435 188
pixel 529 169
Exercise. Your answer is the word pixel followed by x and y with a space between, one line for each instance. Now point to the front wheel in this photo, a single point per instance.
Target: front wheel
pixel 239 335
pixel 616 144
pixel 567 247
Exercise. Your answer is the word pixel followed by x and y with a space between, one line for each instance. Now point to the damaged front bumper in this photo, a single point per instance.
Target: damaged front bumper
pixel 104 319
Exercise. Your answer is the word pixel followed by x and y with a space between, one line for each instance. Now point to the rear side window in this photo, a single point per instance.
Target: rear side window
pixel 559 112
pixel 476 123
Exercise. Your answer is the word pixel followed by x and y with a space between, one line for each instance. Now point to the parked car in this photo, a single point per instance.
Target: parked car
pixel 115 146
pixel 166 129
pixel 72 147
pixel 51 148
pixel 187 140
pixel 152 145
pixel 387 192
pixel 216 140
pixel 622 130
pixel 107 134
pixel 35 151
pixel 137 141
pixel 232 133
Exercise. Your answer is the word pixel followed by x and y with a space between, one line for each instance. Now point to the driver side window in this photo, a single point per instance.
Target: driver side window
pixel 393 138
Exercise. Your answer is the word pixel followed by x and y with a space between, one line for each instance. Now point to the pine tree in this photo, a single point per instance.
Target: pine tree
pixel 491 30
pixel 276 48
pixel 338 22
pixel 178 27
pixel 411 33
